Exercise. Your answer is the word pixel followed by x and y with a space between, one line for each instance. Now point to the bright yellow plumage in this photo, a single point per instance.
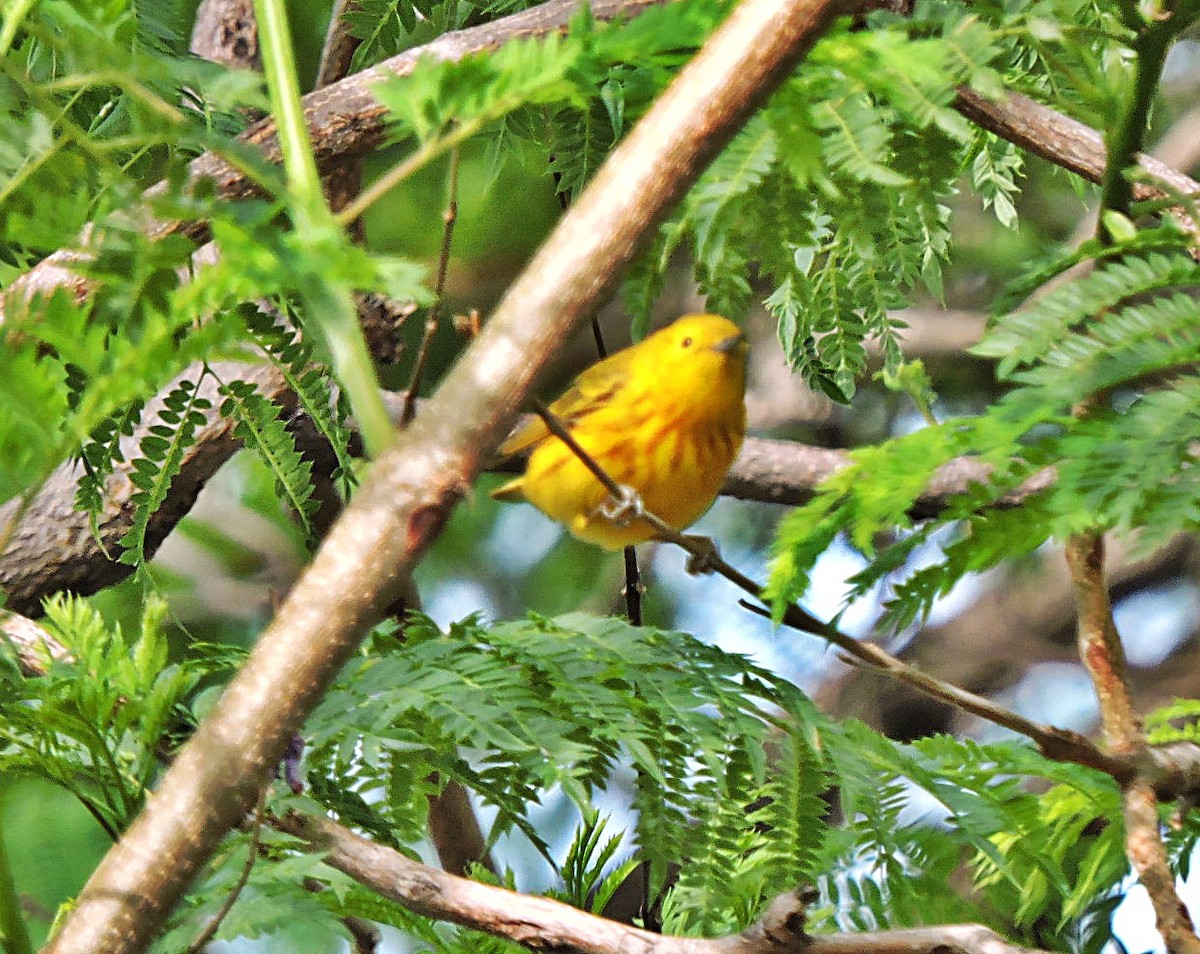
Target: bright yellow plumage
pixel 664 417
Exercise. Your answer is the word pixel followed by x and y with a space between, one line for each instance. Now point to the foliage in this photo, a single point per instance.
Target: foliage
pixel 99 723
pixel 831 208
pixel 1114 342
pixel 565 706
pixel 75 374
pixel 594 692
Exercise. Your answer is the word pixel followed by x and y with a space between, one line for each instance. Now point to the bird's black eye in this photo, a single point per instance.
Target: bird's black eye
pixel 687 342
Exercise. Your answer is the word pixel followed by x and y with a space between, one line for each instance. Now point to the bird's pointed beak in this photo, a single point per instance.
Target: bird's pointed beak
pixel 731 344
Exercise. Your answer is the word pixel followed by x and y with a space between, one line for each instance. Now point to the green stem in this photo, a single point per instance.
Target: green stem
pixel 1131 15
pixel 1150 49
pixel 328 302
pixel 283 84
pixel 425 154
pixel 13 935
pixel 13 15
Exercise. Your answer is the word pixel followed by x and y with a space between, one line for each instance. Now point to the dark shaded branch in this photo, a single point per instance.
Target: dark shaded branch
pixel 340 44
pixel 454 831
pixel 545 925
pixel 225 31
pixel 413 486
pixel 344 121
pixel 1073 145
pixel 53 549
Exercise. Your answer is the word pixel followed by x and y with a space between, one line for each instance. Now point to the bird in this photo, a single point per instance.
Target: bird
pixel 664 418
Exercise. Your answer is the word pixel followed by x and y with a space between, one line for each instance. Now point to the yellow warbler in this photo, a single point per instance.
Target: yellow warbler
pixel 664 418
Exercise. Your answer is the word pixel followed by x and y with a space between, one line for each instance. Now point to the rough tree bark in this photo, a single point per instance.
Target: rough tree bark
pixel 410 491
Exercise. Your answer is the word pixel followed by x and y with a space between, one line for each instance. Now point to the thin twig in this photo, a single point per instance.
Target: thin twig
pixel 598 335
pixel 424 154
pixel 210 929
pixel 453 827
pixel 449 217
pixel 633 589
pixel 1100 645
pixel 632 592
pixel 1056 743
pixel 340 44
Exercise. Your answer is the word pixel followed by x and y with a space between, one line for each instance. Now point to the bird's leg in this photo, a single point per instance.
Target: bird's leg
pixel 703 555
pixel 624 509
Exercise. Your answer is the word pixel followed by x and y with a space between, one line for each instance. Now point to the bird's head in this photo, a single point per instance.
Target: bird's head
pixel 699 352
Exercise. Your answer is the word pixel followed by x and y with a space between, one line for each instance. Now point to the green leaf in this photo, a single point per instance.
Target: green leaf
pixel 258 424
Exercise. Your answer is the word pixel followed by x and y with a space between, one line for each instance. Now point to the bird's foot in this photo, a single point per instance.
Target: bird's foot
pixel 624 509
pixel 703 555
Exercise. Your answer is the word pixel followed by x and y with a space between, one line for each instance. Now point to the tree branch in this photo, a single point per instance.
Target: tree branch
pixel 1100 646
pixel 1024 617
pixel 53 548
pixel 542 924
pixel 344 121
pixel 340 44
pixel 1104 657
pixel 1073 145
pixel 408 494
pixel 33 644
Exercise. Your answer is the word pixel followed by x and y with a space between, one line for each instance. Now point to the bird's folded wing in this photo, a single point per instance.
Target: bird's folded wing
pixel 593 388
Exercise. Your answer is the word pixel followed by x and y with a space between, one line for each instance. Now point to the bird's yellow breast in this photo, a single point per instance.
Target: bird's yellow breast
pixel 664 417
pixel 676 465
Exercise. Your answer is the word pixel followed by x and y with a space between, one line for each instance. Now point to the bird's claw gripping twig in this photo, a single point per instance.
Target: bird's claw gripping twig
pixel 623 509
pixel 703 556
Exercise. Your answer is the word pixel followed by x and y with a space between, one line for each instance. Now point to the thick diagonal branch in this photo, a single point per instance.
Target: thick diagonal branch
pixel 409 493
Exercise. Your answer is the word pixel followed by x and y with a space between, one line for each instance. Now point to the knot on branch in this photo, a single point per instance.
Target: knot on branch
pixel 426 520
pixel 783 924
pixel 1173 769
